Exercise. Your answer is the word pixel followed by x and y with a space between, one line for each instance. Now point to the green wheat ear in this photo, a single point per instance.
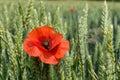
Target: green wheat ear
pixel 57 20
pixel 107 46
pixel 43 17
pixel 82 41
pixel 68 70
pixel 3 42
pixel 49 20
pixel 111 53
pixel 104 26
pixel 12 56
pixel 35 18
pixel 28 14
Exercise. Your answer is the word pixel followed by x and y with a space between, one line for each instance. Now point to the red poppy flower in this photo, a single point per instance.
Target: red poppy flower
pixel 71 10
pixel 46 44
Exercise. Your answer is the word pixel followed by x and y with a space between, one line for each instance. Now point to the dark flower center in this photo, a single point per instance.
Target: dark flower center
pixel 46 44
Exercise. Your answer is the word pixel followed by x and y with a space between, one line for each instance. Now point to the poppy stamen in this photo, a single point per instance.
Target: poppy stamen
pixel 46 44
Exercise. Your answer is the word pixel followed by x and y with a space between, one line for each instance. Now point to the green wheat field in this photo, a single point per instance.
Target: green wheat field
pixel 92 28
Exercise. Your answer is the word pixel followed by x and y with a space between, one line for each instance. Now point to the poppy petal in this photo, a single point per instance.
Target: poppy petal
pixel 31 48
pixel 56 40
pixel 43 32
pixel 62 49
pixel 46 31
pixel 34 34
pixel 48 58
